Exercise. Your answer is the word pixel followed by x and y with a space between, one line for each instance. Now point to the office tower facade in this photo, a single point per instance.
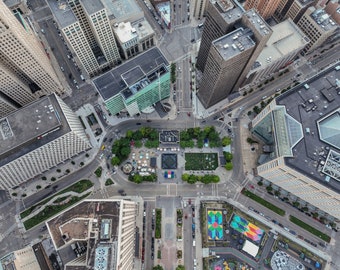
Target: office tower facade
pixel 293 9
pixel 38 137
pixel 265 8
pixel 108 233
pixel 86 27
pixel 281 49
pixel 318 26
pixel 199 8
pixel 221 16
pixel 301 136
pixel 224 75
pixel 25 70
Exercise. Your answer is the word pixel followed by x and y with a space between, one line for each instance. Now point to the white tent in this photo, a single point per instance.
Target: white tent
pixel 250 248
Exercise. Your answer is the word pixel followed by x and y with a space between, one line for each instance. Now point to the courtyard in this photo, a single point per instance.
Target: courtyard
pixel 201 161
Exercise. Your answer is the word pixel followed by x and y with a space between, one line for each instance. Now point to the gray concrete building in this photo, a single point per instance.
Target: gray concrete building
pixel 36 138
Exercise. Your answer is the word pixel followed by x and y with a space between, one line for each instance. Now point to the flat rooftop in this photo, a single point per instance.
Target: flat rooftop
pixel 62 13
pixel 143 28
pixel 286 38
pixel 121 9
pixel 30 128
pixel 125 32
pixel 124 76
pixel 78 221
pixel 310 107
pixel 234 43
pixel 165 10
pixel 92 6
pixel 258 22
pixel 323 19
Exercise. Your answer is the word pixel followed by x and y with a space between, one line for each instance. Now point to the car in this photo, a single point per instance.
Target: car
pixel 144 213
pixel 77 86
pixel 195 262
pixel 301 237
pixel 138 124
pixel 111 139
pixel 152 256
pixel 108 166
pixel 105 139
pixel 287 229
pixel 278 90
pixel 250 208
pixel 193 40
pixel 62 68
pixel 114 171
pixel 264 97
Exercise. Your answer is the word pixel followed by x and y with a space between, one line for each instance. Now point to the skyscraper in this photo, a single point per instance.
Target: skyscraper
pixel 199 8
pixel 231 56
pixel 25 70
pixel 265 8
pixel 86 27
pixel 293 9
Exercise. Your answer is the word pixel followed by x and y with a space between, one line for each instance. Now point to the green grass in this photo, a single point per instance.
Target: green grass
pixel 310 229
pixel 258 199
pixel 98 172
pixel 78 187
pixel 50 211
pixel 109 182
pixel 158 229
pixel 201 161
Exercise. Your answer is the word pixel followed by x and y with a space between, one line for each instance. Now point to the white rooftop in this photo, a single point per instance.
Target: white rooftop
pixel 125 32
pixel 250 248
pixel 286 38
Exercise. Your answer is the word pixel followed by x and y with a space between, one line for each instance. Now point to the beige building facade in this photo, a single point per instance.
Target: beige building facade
pixel 36 138
pixel 22 259
pixel 25 70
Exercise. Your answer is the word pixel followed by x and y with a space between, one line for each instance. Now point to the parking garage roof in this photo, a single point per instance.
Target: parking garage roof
pixel 122 77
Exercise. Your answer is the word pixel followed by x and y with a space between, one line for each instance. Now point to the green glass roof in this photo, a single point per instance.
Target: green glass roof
pixel 329 129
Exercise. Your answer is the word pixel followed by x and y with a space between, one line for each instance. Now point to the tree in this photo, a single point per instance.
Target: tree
pixel 185 177
pixel 115 161
pixel 125 151
pixel 226 141
pixel 129 134
pixel 229 166
pixel 228 156
pixel 269 188
pixel 180 267
pixel 157 267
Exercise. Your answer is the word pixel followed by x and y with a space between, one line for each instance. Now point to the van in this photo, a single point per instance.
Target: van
pixel 82 77
pixel 194 243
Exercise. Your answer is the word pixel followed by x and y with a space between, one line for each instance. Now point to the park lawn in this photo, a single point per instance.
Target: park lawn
pixel 258 199
pixel 50 211
pixel 201 161
pixel 310 229
pixel 78 187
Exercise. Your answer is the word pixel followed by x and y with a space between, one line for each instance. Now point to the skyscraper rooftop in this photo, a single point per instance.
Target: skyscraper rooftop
pixel 234 43
pixel 62 13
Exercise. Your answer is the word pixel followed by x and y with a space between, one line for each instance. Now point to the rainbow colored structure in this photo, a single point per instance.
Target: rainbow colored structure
pixel 215 225
pixel 248 229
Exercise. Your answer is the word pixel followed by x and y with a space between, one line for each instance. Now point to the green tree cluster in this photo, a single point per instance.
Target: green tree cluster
pixel 137 178
pixel 173 72
pixel 188 136
pixel 205 179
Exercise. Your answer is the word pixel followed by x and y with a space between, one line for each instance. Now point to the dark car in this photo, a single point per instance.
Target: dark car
pixel 152 256
pixel 111 139
pixel 105 139
pixel 138 124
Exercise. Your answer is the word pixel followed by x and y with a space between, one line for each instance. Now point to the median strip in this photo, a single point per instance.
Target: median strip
pixel 258 199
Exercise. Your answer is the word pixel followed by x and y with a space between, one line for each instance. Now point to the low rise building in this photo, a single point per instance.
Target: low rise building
pixel 282 47
pixel 135 85
pixel 37 138
pixel 20 259
pixel 134 38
